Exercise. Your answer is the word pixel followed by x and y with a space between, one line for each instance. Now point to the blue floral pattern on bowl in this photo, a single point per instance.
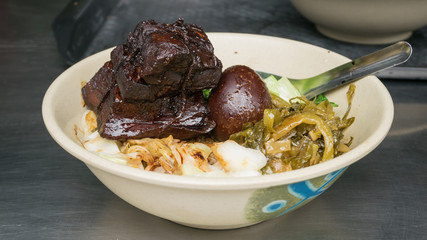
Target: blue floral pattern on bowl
pixel 275 201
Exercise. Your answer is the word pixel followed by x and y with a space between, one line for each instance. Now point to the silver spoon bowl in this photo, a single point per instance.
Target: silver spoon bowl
pixel 372 63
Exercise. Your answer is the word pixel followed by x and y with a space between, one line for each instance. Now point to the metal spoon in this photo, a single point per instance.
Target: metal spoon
pixel 349 72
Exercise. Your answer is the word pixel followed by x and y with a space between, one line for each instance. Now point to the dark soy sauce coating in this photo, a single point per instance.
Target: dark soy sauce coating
pixel 240 97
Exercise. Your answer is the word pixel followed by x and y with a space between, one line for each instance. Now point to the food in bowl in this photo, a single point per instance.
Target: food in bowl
pixel 265 147
pixel 150 107
pixel 228 202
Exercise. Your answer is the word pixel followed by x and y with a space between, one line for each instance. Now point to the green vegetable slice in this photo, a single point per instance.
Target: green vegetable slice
pixel 282 88
pixel 322 98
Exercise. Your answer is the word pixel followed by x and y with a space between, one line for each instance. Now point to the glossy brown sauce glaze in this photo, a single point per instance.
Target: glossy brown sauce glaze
pixel 152 86
pixel 240 97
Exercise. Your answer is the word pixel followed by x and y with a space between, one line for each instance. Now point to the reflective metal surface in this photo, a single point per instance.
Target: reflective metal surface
pixel 45 193
pixel 372 63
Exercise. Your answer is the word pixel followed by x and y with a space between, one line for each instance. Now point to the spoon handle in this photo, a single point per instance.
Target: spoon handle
pixel 372 63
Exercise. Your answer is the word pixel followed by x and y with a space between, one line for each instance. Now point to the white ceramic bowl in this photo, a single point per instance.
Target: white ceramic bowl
pixel 222 203
pixel 365 21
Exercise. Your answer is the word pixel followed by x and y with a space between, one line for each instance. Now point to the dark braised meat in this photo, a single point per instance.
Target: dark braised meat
pixel 162 59
pixel 183 116
pixel 152 86
pixel 97 88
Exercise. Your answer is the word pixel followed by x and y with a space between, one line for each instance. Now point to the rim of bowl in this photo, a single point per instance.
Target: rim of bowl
pixel 212 183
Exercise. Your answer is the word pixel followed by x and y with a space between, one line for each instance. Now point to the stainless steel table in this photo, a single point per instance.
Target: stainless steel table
pixel 45 193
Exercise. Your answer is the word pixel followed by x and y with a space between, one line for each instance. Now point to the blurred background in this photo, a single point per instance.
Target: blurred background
pixel 45 193
pixel 88 26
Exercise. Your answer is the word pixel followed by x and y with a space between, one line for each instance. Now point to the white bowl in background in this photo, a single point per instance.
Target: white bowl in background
pixel 365 21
